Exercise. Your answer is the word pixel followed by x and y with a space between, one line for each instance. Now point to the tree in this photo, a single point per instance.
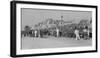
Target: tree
pixel 27 28
pixel 84 23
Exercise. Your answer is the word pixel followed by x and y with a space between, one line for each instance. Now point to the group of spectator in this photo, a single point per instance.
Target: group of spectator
pixel 83 34
pixel 78 31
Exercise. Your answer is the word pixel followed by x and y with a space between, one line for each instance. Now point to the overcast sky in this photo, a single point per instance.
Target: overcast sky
pixel 33 16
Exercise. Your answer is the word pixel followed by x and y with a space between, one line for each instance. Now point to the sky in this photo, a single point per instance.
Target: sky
pixel 33 16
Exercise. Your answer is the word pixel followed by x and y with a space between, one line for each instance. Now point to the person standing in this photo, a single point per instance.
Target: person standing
pixel 35 33
pixel 57 30
pixel 86 32
pixel 77 34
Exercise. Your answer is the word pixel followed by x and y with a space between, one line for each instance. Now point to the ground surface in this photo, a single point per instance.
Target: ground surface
pixel 52 42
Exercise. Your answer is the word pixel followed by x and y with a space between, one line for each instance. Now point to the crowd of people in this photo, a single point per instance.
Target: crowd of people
pixel 60 28
pixel 83 34
pixel 86 33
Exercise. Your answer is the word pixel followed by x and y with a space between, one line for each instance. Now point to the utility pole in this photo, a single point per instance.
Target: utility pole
pixel 57 30
pixel 61 19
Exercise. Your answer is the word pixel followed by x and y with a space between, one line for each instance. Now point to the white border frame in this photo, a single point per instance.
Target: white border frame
pixel 51 50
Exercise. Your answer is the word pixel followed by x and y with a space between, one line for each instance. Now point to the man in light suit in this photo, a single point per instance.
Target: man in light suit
pixel 76 32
